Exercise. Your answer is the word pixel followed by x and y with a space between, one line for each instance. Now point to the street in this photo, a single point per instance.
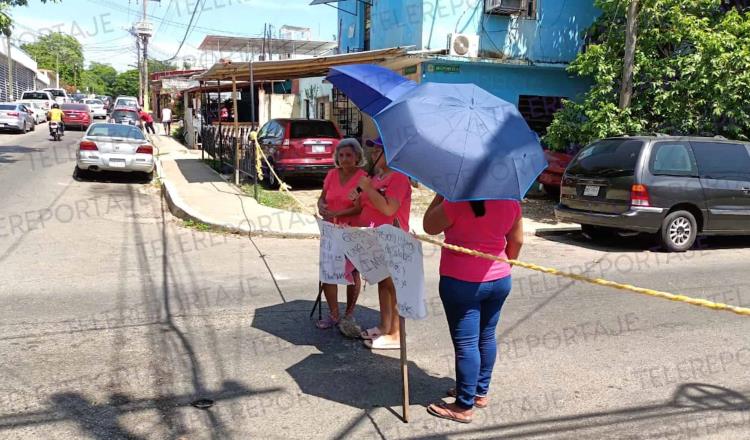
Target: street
pixel 118 317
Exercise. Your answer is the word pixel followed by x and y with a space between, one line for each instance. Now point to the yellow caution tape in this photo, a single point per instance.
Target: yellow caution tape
pixel 743 311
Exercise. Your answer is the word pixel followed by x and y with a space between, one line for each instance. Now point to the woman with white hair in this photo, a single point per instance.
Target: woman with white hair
pixel 339 204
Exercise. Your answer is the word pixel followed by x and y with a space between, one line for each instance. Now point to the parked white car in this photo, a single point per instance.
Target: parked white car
pixel 40 113
pixel 97 108
pixel 126 101
pixel 43 97
pixel 114 147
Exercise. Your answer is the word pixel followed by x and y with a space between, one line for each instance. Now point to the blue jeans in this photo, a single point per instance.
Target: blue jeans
pixel 473 311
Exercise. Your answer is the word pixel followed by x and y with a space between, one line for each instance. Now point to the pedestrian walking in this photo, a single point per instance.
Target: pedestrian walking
pixel 339 203
pixel 473 291
pixel 166 120
pixel 148 121
pixel 386 200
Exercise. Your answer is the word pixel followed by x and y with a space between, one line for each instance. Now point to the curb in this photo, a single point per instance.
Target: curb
pixel 182 210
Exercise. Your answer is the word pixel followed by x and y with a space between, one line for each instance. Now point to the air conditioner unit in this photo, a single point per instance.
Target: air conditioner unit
pixel 505 7
pixel 463 45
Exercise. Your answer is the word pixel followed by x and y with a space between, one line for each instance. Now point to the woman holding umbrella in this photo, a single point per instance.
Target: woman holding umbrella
pixel 339 204
pixel 386 200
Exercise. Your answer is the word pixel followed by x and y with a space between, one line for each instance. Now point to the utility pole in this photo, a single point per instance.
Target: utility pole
pixel 142 31
pixel 145 36
pixel 631 36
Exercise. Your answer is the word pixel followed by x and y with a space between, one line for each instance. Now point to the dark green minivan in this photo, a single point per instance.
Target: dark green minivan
pixel 675 187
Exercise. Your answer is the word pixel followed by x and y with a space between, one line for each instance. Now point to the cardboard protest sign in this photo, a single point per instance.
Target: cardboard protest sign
pixel 364 251
pixel 332 257
pixel 403 254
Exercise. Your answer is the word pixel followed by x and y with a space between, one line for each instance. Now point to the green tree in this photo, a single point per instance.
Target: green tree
pixel 56 47
pixel 99 79
pixel 126 84
pixel 6 23
pixel 692 74
pixel 160 66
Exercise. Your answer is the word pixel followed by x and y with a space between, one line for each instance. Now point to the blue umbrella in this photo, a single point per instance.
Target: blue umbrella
pixel 370 87
pixel 462 142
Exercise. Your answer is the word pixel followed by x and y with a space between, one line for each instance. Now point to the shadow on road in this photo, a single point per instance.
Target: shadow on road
pixel 7 152
pixel 643 242
pixel 110 177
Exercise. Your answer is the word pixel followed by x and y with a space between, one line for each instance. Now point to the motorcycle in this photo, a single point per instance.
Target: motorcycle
pixel 54 131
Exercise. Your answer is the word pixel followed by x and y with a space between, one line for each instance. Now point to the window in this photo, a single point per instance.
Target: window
pixel 522 8
pixel 118 115
pixel 272 130
pixel 8 107
pixel 313 129
pixel 367 26
pixel 672 159
pixel 34 95
pixel 722 161
pixel 607 158
pixel 79 107
pixel 114 130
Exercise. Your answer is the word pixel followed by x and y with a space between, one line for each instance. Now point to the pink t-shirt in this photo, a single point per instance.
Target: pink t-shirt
pixel 485 234
pixel 394 186
pixel 338 196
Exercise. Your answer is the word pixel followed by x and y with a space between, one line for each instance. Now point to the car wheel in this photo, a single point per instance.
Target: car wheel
pixel 678 231
pixel 79 174
pixel 552 191
pixel 597 233
pixel 33 127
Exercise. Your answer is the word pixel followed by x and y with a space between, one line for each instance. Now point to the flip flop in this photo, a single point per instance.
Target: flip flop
pixel 381 344
pixel 371 333
pixel 452 393
pixel 326 323
pixel 441 410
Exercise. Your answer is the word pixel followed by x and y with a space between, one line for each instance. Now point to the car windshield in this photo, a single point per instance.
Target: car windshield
pixel 29 104
pixel 7 106
pixel 607 158
pixel 312 129
pixel 124 114
pixel 56 93
pixel 127 102
pixel 83 107
pixel 93 102
pixel 115 130
pixel 34 95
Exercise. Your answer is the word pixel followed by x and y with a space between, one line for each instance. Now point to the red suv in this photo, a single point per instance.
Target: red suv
pixel 299 147
pixel 76 115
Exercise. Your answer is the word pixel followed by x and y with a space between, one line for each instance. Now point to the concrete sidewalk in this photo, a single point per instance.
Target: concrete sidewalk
pixel 197 192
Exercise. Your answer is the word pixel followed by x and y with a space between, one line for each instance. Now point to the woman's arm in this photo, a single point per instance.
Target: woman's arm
pixel 435 219
pixel 385 205
pixel 323 206
pixel 514 239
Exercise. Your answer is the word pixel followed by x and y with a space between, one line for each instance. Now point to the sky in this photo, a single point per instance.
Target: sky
pixel 101 25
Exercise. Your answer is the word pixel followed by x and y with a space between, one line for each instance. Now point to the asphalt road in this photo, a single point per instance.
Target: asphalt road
pixel 116 318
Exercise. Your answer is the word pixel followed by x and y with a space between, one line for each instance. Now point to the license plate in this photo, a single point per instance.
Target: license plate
pixel 591 191
pixel 117 163
pixel 318 148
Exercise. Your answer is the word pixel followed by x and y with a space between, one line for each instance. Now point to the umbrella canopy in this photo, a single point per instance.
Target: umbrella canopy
pixel 370 87
pixel 462 142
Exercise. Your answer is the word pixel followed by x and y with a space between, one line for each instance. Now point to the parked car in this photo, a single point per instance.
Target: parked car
pixel 299 147
pixel 126 101
pixel 97 108
pixel 76 115
pixel 41 96
pixel 127 116
pixel 675 187
pixel 59 95
pixel 40 113
pixel 17 117
pixel 551 177
pixel 114 147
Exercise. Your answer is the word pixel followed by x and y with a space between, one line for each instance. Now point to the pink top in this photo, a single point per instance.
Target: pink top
pixel 394 186
pixel 485 234
pixel 338 197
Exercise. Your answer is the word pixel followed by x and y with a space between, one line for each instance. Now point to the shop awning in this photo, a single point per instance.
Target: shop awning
pixel 293 69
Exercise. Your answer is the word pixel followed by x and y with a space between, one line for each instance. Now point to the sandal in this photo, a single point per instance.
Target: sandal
pixel 380 343
pixel 441 410
pixel 325 324
pixel 477 402
pixel 371 333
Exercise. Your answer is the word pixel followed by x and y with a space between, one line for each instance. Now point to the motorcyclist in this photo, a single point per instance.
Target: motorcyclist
pixel 56 115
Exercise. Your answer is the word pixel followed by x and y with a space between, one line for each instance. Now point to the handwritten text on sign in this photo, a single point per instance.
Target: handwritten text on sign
pixel 378 253
pixel 332 258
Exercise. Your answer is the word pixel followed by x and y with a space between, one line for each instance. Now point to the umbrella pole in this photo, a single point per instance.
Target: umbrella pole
pixel 404 369
pixel 317 303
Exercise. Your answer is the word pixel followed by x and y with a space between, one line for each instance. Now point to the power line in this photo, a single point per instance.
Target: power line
pixel 187 31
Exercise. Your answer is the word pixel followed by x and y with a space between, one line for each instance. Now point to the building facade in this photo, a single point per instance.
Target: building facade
pixel 515 49
pixel 25 75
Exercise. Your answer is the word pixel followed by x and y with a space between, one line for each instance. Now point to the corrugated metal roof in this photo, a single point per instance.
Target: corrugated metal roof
pixel 282 46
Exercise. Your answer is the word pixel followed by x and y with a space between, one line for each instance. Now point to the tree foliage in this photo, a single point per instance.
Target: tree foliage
pixel 6 24
pixel 160 66
pixel 54 48
pixel 126 84
pixel 692 73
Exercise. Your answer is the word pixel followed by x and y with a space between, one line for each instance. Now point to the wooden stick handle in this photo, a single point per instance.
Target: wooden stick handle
pixel 404 369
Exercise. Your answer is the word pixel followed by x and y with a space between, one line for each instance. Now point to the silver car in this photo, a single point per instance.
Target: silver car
pixel 40 113
pixel 16 117
pixel 114 147
pixel 97 108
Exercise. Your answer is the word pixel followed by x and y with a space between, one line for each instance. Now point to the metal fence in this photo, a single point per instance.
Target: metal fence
pixel 219 144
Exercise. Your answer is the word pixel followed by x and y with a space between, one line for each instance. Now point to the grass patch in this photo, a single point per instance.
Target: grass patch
pixel 196 225
pixel 273 199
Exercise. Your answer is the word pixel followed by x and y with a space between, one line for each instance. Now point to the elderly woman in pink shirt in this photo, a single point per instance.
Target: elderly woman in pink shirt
pixel 473 291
